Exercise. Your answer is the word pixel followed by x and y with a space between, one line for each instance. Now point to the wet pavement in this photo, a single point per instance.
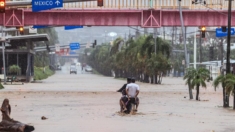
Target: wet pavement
pixel 86 102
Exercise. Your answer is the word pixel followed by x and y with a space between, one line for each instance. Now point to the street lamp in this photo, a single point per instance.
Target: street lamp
pixel 183 32
pixel 155 42
pixel 3 55
pixel 228 37
pixel 105 35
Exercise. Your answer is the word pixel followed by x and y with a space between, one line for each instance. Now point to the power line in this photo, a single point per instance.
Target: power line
pixel 216 11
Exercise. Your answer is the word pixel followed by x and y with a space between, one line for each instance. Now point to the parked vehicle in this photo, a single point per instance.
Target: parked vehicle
pixel 78 64
pixel 73 64
pixel 88 69
pixel 73 70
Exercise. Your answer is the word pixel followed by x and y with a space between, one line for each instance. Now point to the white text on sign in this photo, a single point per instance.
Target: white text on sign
pixel 42 3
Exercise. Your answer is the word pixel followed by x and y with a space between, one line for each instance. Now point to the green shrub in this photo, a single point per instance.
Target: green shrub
pixel 40 75
pixel 14 69
pixel 1 86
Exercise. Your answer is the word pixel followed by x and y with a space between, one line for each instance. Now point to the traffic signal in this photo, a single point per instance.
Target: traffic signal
pixel 2 6
pixel 21 29
pixel 100 3
pixel 224 29
pixel 94 44
pixel 203 29
pixel 194 2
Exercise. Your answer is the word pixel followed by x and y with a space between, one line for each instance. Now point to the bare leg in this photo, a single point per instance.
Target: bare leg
pixel 122 105
pixel 137 104
pixel 136 107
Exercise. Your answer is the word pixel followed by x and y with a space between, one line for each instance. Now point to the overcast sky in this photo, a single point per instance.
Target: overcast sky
pixel 89 34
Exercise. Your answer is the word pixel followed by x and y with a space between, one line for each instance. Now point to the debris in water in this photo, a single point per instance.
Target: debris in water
pixel 44 118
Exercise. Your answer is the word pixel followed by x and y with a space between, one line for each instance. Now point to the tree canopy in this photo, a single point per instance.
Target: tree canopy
pixel 134 57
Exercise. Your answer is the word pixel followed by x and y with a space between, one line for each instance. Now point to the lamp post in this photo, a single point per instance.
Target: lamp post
pixel 228 38
pixel 155 43
pixel 105 35
pixel 3 57
pixel 184 36
pixel 195 49
pixel 228 46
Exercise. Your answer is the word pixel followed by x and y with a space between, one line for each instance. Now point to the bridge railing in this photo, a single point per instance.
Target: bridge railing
pixel 146 4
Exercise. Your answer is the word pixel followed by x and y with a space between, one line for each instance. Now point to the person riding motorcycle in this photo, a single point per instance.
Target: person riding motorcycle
pixel 132 90
pixel 124 99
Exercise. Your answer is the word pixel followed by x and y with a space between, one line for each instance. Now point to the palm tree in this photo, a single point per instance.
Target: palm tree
pixel 196 78
pixel 221 80
pixel 189 77
pixel 135 58
pixel 229 85
pixel 200 76
pixel 133 62
pixel 115 60
pixel 147 51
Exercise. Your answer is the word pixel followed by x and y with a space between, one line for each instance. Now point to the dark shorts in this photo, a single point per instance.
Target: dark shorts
pixel 134 101
pixel 124 99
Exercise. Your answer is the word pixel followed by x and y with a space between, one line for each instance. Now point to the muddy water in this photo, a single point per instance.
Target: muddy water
pixel 89 103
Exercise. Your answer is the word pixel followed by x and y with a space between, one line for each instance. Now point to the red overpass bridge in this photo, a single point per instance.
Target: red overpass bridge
pixel 144 18
pixel 144 13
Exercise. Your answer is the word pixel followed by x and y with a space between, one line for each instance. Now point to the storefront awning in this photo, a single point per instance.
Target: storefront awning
pixel 26 38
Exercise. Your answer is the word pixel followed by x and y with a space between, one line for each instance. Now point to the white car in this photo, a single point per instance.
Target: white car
pixel 88 69
pixel 78 64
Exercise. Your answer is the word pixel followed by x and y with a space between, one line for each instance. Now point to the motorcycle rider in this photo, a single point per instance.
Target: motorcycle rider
pixel 124 98
pixel 132 90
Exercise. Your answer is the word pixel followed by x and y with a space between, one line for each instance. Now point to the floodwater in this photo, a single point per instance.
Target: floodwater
pixel 85 102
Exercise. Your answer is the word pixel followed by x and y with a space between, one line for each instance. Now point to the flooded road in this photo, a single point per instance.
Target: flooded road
pixel 85 102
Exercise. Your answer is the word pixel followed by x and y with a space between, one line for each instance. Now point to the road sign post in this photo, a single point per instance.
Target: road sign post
pixel 40 5
pixel 74 46
pixel 220 33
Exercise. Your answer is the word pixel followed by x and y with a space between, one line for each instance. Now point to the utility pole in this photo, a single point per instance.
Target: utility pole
pixel 3 58
pixel 222 54
pixel 195 49
pixel 200 42
pixel 155 43
pixel 155 40
pixel 183 32
pixel 105 36
pixel 172 37
pixel 164 32
pixel 228 38
pixel 228 45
